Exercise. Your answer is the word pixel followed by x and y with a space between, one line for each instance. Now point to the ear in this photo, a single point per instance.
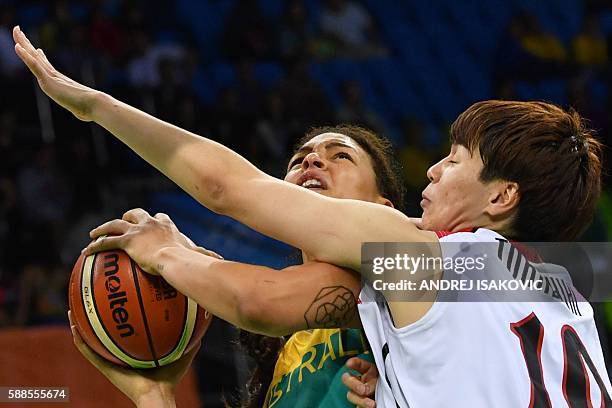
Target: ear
pixel 384 201
pixel 504 197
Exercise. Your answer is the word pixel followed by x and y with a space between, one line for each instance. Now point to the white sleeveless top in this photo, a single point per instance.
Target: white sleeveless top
pixel 488 354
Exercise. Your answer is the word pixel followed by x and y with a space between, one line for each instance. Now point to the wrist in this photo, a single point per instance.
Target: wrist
pixel 161 396
pixel 97 101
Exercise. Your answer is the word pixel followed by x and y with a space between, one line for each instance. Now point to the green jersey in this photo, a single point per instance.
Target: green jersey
pixel 308 372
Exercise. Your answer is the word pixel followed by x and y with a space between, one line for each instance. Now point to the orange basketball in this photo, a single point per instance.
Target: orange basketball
pixel 130 317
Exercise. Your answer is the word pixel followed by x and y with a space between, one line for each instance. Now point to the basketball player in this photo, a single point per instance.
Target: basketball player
pixel 310 366
pixel 525 171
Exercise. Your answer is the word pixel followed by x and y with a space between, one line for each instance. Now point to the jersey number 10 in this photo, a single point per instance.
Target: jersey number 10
pixel 576 387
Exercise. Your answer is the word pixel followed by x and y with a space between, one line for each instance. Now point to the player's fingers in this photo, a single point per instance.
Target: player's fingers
pixel 208 252
pixel 163 217
pixel 21 39
pixel 360 401
pixel 32 64
pixel 354 384
pixel 83 348
pixel 44 61
pixel 104 243
pixel 136 215
pixel 112 227
pixel 358 364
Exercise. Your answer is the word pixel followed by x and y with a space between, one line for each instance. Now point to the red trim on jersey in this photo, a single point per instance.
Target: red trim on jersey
pixel 513 327
pixel 528 252
pixel 441 234
pixel 584 368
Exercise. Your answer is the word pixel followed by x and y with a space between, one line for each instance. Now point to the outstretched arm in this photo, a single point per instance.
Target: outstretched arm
pixel 224 181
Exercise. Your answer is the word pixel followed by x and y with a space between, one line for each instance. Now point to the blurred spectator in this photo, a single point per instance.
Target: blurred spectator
pixel 55 31
pixel 304 98
pixel 106 37
pixel 275 130
pixel 231 126
pixel 43 189
pixel 589 47
pixel 83 173
pixel 143 67
pixel 45 199
pixel 132 17
pixel 415 157
pixel 247 33
pixel 527 51
pixel 295 33
pixel 249 90
pixel 350 28
pixel 74 52
pixel 581 99
pixel 506 90
pixel 42 297
pixel 9 61
pixel 354 110
pixel 9 214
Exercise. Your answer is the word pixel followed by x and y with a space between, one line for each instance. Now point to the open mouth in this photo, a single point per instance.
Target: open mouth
pixel 313 184
pixel 312 181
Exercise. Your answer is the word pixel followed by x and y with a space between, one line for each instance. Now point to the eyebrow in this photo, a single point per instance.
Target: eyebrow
pixel 308 149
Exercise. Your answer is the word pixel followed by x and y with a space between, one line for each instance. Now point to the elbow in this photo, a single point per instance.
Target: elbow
pixel 211 191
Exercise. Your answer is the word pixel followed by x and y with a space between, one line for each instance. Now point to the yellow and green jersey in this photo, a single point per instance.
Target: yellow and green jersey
pixel 308 372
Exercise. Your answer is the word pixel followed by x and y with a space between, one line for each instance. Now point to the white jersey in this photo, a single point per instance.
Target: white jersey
pixel 487 354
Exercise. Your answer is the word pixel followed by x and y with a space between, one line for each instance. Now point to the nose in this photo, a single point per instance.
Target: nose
pixel 313 160
pixel 433 173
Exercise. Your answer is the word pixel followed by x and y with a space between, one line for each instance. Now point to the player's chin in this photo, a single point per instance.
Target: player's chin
pixel 427 221
pixel 322 191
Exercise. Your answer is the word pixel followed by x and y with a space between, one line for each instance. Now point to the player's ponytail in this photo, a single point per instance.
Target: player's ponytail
pixel 264 351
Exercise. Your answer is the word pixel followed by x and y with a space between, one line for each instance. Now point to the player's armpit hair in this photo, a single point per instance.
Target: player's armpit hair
pixel 333 307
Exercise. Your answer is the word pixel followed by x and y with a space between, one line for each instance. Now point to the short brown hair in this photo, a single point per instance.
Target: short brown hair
pixel 550 153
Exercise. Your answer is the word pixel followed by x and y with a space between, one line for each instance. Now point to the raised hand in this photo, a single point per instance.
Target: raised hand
pixel 71 95
pixel 141 236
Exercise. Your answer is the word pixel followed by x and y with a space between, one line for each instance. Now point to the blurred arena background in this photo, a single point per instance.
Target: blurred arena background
pixel 253 75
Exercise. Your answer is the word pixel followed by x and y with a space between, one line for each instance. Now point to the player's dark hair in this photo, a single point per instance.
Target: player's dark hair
pixel 265 350
pixel 550 153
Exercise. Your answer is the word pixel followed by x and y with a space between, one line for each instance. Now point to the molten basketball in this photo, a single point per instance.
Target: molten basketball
pixel 130 317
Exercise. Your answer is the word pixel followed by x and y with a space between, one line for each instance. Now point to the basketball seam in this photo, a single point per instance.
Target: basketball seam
pixel 143 313
pixel 178 341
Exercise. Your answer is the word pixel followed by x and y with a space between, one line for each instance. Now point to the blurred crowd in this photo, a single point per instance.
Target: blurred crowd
pixel 59 176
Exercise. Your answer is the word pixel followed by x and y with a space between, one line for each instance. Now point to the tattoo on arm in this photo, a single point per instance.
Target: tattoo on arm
pixel 333 307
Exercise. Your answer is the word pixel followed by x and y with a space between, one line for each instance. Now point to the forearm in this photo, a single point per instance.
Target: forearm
pixel 156 398
pixel 261 299
pixel 198 165
pixel 222 287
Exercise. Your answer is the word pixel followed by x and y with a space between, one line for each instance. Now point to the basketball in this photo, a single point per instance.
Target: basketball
pixel 130 317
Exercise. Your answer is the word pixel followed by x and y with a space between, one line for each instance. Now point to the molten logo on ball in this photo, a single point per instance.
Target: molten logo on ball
pixel 117 298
